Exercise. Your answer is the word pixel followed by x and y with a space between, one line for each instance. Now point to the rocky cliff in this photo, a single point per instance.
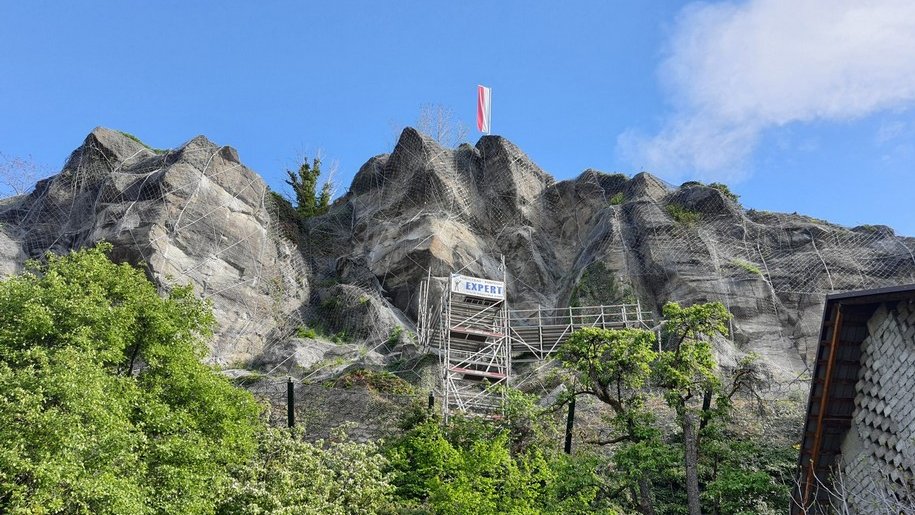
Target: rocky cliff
pixel 191 215
pixel 596 239
pixel 197 215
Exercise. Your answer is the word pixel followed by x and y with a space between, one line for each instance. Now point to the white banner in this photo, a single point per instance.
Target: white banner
pixel 477 287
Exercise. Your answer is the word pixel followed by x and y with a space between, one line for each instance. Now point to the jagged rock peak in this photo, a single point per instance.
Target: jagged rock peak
pixel 647 185
pixel 191 215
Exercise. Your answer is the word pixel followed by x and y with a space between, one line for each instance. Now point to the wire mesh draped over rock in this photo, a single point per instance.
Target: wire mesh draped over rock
pixel 365 413
pixel 193 215
pixel 356 314
pixel 427 210
pixel 197 215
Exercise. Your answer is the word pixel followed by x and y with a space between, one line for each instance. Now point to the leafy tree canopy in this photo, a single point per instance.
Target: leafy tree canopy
pixel 105 406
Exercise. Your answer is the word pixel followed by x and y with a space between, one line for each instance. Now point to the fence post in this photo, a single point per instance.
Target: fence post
pixel 540 330
pixel 290 402
pixel 570 422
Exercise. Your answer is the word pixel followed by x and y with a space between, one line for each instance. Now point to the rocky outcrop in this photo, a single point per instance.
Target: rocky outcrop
pixel 197 215
pixel 194 215
pixel 425 210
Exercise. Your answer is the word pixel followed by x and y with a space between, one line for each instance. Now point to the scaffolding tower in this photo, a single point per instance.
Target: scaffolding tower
pixel 476 361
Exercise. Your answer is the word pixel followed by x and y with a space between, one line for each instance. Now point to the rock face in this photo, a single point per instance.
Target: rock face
pixel 197 215
pixel 193 215
pixel 425 210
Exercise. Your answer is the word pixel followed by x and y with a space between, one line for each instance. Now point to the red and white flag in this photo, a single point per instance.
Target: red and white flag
pixel 484 106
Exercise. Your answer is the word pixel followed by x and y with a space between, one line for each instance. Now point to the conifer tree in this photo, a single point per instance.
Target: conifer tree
pixel 304 184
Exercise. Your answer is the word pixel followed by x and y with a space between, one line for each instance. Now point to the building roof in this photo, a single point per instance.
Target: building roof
pixel 831 403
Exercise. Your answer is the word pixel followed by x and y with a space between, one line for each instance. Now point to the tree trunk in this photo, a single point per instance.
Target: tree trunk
pixel 691 461
pixel 646 506
pixel 706 406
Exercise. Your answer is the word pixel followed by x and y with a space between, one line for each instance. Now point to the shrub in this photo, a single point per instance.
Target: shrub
pixel 304 182
pixel 306 332
pixel 683 215
pixel 749 267
pixel 394 337
pixel 617 199
pixel 723 188
pixel 290 475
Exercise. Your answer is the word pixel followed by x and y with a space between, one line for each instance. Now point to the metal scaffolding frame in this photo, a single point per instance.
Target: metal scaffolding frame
pixel 478 338
pixel 476 361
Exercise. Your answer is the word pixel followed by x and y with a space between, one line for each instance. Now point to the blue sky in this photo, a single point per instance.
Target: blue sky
pixel 800 106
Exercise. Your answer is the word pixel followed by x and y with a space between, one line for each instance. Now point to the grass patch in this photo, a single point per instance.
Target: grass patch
pixel 378 380
pixel 617 199
pixel 316 333
pixel 394 337
pixel 683 215
pixel 306 332
pixel 723 188
pixel 250 379
pixel 746 265
pixel 138 140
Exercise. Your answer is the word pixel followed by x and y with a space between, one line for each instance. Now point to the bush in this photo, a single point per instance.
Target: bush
pixel 377 380
pixel 683 215
pixel 306 332
pixel 290 475
pixel 617 199
pixel 747 266
pixel 469 468
pixel 723 188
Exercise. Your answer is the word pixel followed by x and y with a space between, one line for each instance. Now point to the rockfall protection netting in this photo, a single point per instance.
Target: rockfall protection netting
pixel 601 239
pixel 193 215
pixel 363 412
pixel 196 214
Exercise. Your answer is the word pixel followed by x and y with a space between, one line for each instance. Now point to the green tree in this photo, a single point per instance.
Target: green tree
pixel 290 476
pixel 614 366
pixel 687 372
pixel 105 406
pixel 469 467
pixel 304 183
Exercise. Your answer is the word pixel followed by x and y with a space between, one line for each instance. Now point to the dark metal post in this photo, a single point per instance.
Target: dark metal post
pixel 290 402
pixel 431 401
pixel 569 423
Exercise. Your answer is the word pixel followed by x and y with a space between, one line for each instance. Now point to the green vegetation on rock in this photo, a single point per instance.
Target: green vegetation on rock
pixel 138 140
pixel 617 199
pixel 599 285
pixel 747 266
pixel 723 188
pixel 304 183
pixel 683 215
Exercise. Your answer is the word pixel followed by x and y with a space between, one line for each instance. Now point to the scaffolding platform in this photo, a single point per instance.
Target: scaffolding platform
pixel 478 338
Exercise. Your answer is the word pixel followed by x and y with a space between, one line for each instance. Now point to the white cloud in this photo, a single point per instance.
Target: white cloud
pixel 735 70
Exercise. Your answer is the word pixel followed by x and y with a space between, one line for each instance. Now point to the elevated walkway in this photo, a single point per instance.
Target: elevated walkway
pixel 537 333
